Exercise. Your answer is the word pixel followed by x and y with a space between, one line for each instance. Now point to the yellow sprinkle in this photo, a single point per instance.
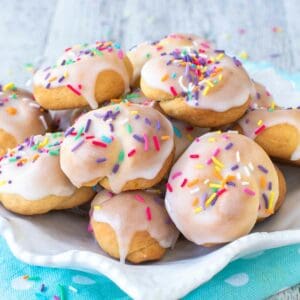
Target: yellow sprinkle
pixel 220 56
pixel 2 182
pixel 66 74
pixel 193 182
pixel 97 207
pixel 271 203
pixel 212 139
pixel 217 162
pixel 52 78
pixel 134 112
pixel 198 209
pixel 44 143
pixel 209 83
pixel 259 122
pixel 196 201
pixel 165 77
pixel 165 137
pixel 243 55
pixel 273 105
pixel 210 199
pixel 9 86
pixel 215 185
pixel 11 110
pixel 220 77
pixel 205 91
pixel 189 137
pixel 199 166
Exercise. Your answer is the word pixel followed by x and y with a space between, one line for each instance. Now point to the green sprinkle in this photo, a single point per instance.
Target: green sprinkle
pixel 80 131
pixel 132 96
pixel 121 156
pixel 13 159
pixel 129 128
pixel 215 190
pixel 62 292
pixel 98 52
pixel 54 152
pixel 34 278
pixel 148 55
pixel 14 96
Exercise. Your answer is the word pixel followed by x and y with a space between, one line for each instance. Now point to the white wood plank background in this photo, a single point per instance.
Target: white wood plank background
pixel 33 30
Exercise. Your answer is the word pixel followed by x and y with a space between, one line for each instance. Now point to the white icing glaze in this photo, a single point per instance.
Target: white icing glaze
pixel 32 169
pixel 21 116
pixel 79 67
pixel 131 212
pixel 254 120
pixel 260 97
pixel 141 53
pixel 221 84
pixel 121 138
pixel 209 163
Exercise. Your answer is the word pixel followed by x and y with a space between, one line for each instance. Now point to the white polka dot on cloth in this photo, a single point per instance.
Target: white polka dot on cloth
pixel 239 279
pixel 20 283
pixel 79 279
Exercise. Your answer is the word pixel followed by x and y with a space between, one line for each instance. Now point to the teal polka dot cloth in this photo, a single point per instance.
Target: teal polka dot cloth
pixel 256 276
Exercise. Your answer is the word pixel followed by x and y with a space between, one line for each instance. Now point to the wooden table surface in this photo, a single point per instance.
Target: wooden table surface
pixel 36 30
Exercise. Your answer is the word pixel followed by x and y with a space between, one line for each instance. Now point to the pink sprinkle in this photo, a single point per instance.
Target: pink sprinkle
pixel 194 156
pixel 148 213
pixel 89 228
pixel 173 91
pixel 169 187
pixel 73 90
pixel 176 175
pixel 183 182
pixel 139 198
pixel 146 144
pixel 268 94
pixel 131 153
pixel 249 192
pixel 120 54
pixel 80 86
pixel 156 143
pixel 220 192
pixel 209 161
pixel 216 153
pixel 260 129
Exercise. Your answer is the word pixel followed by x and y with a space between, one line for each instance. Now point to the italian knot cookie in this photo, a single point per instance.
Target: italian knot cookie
pixel 141 53
pixel 275 130
pixel 206 89
pixel 83 75
pixel 221 185
pixel 132 225
pixel 20 117
pixel 31 180
pixel 123 147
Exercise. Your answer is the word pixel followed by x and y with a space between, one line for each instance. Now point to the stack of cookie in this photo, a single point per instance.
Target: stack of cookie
pixel 181 143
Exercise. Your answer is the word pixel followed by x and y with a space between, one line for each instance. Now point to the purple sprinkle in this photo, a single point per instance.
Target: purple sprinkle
pixel 137 117
pixel 69 131
pixel 87 125
pixel 203 199
pixel 147 121
pixel 115 168
pixel 47 76
pixel 100 160
pixel 158 126
pixel 236 61
pixel 270 185
pixel 265 200
pixel 139 138
pixel 61 79
pixel 263 169
pixel 257 95
pixel 229 146
pixel 48 86
pixel 77 145
pixel 230 183
pixel 111 127
pixel 235 167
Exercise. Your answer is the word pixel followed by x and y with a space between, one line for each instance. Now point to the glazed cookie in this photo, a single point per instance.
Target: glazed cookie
pixel 141 53
pixel 123 147
pixel 132 225
pixel 31 180
pixel 277 131
pixel 220 187
pixel 204 89
pixel 84 75
pixel 20 117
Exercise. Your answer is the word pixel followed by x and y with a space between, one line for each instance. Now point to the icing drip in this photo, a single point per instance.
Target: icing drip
pixel 121 142
pixel 141 53
pixel 255 122
pixel 209 80
pixel 20 115
pixel 219 187
pixel 32 169
pixel 79 67
pixel 131 212
pixel 260 97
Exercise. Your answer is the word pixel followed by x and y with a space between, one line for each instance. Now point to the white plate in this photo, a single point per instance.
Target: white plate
pixel 60 239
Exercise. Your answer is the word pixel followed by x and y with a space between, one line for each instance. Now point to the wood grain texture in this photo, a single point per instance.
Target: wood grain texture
pixel 34 29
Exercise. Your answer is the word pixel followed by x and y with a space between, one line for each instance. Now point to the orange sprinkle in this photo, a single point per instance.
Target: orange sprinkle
pixel 262 182
pixel 11 110
pixel 196 201
pixel 218 175
pixel 165 137
pixel 193 182
pixel 165 77
pixel 35 157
